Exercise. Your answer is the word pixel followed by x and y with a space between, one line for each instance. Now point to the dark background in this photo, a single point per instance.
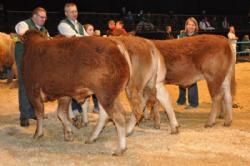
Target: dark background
pixel 230 7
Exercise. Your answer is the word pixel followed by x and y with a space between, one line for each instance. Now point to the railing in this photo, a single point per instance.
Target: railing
pixel 99 20
pixel 245 51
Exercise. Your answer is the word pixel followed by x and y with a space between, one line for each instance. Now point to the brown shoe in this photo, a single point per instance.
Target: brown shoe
pixel 190 107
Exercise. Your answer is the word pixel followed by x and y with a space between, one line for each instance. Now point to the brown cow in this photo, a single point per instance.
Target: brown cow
pixel 206 57
pixel 146 82
pixel 66 68
pixel 7 54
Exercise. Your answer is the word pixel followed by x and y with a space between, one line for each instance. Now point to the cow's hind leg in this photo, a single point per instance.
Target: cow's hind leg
pixel 118 116
pixel 216 101
pixel 138 96
pixel 62 114
pixel 39 110
pixel 216 96
pixel 164 98
pixel 227 102
pixel 156 115
pixel 138 102
pixel 103 117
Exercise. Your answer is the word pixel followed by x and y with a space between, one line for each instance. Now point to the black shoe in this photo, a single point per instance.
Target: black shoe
pixel 180 103
pixel 24 122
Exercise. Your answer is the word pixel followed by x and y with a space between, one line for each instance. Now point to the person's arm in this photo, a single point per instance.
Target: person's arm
pixel 232 36
pixel 21 28
pixel 202 25
pixel 66 30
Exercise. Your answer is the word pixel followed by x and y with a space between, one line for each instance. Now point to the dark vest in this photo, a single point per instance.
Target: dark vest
pixel 67 21
pixel 32 25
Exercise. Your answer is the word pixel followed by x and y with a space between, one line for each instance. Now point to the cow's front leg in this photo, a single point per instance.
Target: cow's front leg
pixel 103 117
pixel 118 117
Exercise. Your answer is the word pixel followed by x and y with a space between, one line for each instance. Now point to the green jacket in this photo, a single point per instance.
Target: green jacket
pixel 184 34
pixel 67 21
pixel 32 25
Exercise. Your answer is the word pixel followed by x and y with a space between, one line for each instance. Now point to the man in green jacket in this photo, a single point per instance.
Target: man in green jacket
pixel 37 21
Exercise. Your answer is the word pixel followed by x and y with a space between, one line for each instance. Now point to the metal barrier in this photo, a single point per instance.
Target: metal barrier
pixel 243 52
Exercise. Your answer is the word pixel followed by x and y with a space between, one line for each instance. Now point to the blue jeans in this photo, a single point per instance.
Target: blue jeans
pixel 192 95
pixel 76 106
pixel 95 101
pixel 25 108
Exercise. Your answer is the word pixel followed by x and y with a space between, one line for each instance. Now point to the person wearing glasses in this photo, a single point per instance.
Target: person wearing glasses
pixel 191 29
pixel 37 22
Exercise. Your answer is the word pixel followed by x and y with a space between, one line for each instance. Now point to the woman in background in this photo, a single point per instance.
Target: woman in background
pixel 191 29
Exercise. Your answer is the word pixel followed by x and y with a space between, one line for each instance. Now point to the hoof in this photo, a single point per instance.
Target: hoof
pixel 37 137
pixel 221 117
pixel 69 137
pixel 129 134
pixel 119 152
pixel 227 124
pixel 89 141
pixel 45 116
pixel 78 122
pixel 85 124
pixel 209 125
pixel 157 126
pixel 175 130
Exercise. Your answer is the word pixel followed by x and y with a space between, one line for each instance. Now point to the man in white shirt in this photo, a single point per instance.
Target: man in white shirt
pixel 37 21
pixel 70 26
pixel 233 40
pixel 205 24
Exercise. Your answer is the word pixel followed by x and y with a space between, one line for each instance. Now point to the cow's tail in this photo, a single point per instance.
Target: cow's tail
pixel 233 82
pixel 233 61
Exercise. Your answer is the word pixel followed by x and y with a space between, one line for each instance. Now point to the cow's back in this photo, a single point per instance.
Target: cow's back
pixel 188 58
pixel 63 66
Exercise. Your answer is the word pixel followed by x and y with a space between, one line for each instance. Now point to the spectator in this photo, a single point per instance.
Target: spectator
pixel 140 15
pixel 89 30
pixel 233 40
pixel 123 13
pixel 129 21
pixel 205 25
pixel 144 25
pixel 215 23
pixel 169 34
pixel 191 29
pixel 119 29
pixel 37 21
pixel 225 23
pixel 111 27
pixel 70 27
